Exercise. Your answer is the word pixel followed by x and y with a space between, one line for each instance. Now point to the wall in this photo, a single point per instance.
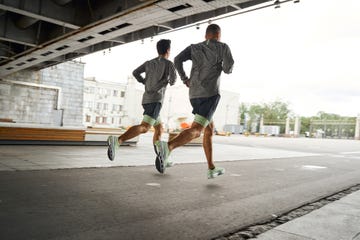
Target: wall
pixel 32 96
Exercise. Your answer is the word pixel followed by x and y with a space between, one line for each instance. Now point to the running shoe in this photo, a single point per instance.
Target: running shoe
pixel 213 173
pixel 113 144
pixel 162 155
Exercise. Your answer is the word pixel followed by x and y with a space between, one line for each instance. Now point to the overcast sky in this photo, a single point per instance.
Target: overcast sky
pixel 306 54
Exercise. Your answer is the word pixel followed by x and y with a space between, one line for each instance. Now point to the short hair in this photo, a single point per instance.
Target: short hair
pixel 163 46
pixel 213 29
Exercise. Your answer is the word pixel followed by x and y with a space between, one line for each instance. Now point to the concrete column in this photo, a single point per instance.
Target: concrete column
pixel 246 117
pixel 261 129
pixel 287 126
pixel 297 127
pixel 357 128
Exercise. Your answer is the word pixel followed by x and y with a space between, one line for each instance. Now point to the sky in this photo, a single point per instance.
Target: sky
pixel 306 54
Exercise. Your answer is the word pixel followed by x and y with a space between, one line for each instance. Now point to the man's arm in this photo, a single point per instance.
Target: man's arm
pixel 137 73
pixel 178 62
pixel 172 74
pixel 228 61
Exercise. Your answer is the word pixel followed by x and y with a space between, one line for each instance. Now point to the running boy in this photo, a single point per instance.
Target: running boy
pixel 159 72
pixel 209 59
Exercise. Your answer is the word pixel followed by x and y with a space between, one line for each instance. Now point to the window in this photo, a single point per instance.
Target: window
pixel 122 94
pixel 88 104
pixel 115 93
pixel 98 106
pixel 88 118
pixel 119 121
pixel 105 106
pixel 116 107
pixel 104 120
pixel 97 119
pixel 112 120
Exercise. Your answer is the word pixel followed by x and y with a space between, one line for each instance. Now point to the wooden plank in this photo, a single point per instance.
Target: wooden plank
pixel 18 133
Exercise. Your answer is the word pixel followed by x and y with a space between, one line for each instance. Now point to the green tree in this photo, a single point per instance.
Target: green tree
pixel 275 111
pixel 272 112
pixel 254 113
pixel 243 109
pixel 305 124
pixel 334 125
pixel 328 116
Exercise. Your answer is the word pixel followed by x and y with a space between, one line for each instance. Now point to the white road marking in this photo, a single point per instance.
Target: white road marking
pixel 356 152
pixel 279 169
pixel 312 167
pixel 235 175
pixel 153 184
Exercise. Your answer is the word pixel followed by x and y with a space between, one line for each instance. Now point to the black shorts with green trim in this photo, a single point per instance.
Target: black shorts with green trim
pixel 204 108
pixel 151 113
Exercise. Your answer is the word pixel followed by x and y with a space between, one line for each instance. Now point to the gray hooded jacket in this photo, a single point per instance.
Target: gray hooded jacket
pixel 209 59
pixel 158 73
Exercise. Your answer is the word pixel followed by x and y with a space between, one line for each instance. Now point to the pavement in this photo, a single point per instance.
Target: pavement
pixel 339 220
pixel 64 192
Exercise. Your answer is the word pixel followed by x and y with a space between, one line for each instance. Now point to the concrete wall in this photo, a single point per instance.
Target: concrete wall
pixel 32 96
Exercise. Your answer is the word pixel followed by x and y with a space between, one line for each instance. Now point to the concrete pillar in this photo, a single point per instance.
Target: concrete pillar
pixel 246 117
pixel 287 126
pixel 297 127
pixel 261 129
pixel 357 128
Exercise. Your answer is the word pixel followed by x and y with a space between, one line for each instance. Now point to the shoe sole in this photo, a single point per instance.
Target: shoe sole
pixel 110 154
pixel 159 161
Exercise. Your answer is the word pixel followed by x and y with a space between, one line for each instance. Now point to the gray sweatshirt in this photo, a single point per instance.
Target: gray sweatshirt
pixel 209 59
pixel 158 73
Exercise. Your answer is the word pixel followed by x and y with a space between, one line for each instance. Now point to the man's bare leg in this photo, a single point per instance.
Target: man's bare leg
pixel 134 131
pixel 207 144
pixel 186 136
pixel 158 132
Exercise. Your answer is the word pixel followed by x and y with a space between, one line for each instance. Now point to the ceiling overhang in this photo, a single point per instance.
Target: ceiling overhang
pixel 36 34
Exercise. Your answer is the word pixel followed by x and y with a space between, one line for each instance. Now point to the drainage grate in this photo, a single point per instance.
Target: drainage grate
pixel 85 39
pixel 61 48
pixel 180 7
pixel 115 28
pixel 46 53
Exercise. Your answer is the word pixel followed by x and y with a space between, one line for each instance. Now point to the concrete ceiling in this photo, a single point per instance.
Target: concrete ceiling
pixel 39 33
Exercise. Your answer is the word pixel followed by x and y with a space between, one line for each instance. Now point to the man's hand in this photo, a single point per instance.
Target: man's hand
pixel 187 82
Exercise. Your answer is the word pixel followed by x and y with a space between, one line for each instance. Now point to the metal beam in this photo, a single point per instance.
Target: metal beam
pixel 17 41
pixel 38 16
pixel 235 6
pixel 10 33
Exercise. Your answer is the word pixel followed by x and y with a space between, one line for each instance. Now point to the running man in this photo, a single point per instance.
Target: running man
pixel 159 72
pixel 209 59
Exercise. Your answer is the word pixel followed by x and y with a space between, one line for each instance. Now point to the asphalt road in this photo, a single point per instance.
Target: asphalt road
pixel 138 203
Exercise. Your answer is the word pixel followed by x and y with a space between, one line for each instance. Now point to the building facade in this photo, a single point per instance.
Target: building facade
pixel 119 105
pixel 177 108
pixel 110 104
